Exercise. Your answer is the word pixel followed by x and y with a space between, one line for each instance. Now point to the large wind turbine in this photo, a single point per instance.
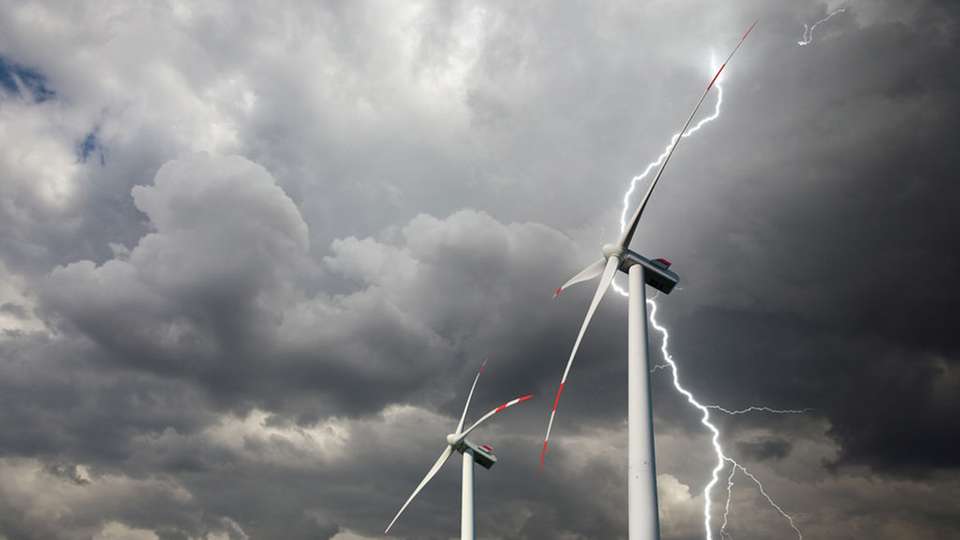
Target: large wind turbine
pixel 472 453
pixel 643 519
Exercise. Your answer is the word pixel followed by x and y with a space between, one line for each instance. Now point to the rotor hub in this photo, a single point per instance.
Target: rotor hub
pixel 612 250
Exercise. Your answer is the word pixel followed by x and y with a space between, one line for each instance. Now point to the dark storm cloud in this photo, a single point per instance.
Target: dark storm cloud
pixel 16 310
pixel 58 403
pixel 218 282
pixel 274 343
pixel 764 449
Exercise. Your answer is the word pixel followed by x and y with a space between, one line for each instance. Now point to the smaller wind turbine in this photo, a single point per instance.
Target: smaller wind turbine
pixel 472 453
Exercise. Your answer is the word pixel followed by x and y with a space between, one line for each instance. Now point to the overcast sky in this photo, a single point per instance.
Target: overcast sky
pixel 252 254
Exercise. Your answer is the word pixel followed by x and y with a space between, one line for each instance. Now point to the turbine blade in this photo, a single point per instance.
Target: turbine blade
pixel 484 418
pixel 635 219
pixel 430 474
pixel 608 272
pixel 470 395
pixel 586 274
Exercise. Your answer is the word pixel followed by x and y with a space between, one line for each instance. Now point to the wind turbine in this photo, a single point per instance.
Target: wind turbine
pixel 643 518
pixel 472 453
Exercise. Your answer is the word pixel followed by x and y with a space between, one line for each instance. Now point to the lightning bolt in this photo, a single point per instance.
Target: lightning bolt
pixel 808 29
pixel 654 164
pixel 722 460
pixel 726 506
pixel 704 419
pixel 754 408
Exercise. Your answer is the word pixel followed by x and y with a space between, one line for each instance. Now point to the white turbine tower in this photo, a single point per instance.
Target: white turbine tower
pixel 472 453
pixel 644 523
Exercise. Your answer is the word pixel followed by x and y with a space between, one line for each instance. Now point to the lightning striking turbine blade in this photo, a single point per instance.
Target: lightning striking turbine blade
pixel 484 418
pixel 588 273
pixel 722 458
pixel 632 228
pixel 608 273
pixel 470 395
pixel 430 474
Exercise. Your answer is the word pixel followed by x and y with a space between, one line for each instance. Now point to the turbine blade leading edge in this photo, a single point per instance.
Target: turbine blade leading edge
pixel 430 474
pixel 484 418
pixel 470 395
pixel 635 219
pixel 608 272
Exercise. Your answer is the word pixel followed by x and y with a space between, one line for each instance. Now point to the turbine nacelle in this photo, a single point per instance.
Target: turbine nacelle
pixel 482 453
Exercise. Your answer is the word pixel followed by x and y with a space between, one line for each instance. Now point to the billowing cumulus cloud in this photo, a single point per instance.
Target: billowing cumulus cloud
pixel 44 502
pixel 252 255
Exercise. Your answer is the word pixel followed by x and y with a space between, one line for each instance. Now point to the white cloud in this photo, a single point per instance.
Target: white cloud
pixel 47 504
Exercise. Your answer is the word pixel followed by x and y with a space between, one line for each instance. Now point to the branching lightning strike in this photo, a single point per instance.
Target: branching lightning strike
pixel 754 408
pixel 808 29
pixel 722 459
pixel 726 506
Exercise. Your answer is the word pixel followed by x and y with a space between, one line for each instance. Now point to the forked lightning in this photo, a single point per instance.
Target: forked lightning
pixel 722 458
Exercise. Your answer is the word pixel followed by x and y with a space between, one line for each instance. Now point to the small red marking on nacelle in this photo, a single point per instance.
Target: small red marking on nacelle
pixel 664 261
pixel 557 291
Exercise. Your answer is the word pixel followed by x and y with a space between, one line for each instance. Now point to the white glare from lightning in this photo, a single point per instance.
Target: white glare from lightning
pixel 808 29
pixel 722 458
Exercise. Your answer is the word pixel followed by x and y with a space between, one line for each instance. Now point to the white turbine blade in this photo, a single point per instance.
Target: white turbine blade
pixel 430 474
pixel 484 418
pixel 632 226
pixel 612 264
pixel 586 274
pixel 470 395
